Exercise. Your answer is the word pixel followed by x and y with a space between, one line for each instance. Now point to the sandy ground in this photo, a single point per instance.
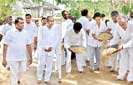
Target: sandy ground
pixel 104 77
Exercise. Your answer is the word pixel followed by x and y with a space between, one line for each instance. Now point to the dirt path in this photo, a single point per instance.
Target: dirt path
pixel 104 77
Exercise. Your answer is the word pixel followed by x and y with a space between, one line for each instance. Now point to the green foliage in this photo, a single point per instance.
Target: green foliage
pixel 103 6
pixel 5 8
pixel 126 8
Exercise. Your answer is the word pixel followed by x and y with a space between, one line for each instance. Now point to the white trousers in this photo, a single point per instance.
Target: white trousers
pixel 41 63
pixel 79 60
pixel 94 53
pixel 123 64
pixel 45 58
pixel 17 69
pixel 59 60
pixel 130 74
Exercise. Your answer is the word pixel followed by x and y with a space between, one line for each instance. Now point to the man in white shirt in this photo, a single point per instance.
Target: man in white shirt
pixel 75 36
pixel 85 25
pixel 31 28
pixel 94 46
pixel 16 42
pixel 126 60
pixel 47 44
pixel 6 27
pixel 112 26
pixel 66 24
pixel 125 36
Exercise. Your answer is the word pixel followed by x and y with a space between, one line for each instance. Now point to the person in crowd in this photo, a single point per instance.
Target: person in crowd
pixel 16 42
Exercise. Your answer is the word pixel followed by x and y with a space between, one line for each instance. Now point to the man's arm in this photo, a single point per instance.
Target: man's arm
pixel 4 62
pixel 35 43
pixel 29 49
pixel 1 36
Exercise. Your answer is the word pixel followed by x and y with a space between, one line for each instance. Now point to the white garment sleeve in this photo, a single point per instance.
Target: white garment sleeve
pixel 83 38
pixel 66 40
pixel 116 38
pixel 2 30
pixel 40 38
pixel 129 43
pixel 7 38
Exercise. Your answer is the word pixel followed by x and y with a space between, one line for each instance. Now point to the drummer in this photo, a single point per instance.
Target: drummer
pixel 97 26
pixel 75 36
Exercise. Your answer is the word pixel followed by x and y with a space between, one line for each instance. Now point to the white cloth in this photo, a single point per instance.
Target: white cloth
pixel 84 21
pixel 66 25
pixel 5 28
pixel 17 70
pixel 31 29
pixel 113 26
pixel 16 42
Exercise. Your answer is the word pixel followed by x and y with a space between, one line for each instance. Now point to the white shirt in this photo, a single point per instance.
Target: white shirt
pixel 6 28
pixel 122 35
pixel 16 42
pixel 130 25
pixel 113 26
pixel 94 29
pixel 66 25
pixel 31 29
pixel 47 37
pixel 72 38
pixel 84 21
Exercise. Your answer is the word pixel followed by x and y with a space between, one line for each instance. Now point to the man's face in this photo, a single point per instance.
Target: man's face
pixel 76 31
pixel 123 24
pixel 10 20
pixel 114 18
pixel 97 19
pixel 28 19
pixel 50 22
pixel 65 15
pixel 20 25
pixel 44 21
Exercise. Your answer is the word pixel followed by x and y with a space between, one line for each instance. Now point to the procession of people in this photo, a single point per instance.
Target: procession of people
pixel 25 40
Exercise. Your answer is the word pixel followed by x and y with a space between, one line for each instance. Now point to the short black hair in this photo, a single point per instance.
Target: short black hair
pixel 84 12
pixel 9 17
pixel 36 21
pixel 17 20
pixel 43 18
pixel 63 12
pixel 28 15
pixel 97 14
pixel 114 13
pixel 49 17
pixel 102 15
pixel 77 26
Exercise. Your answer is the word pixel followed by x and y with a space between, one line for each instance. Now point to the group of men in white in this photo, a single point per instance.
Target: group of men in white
pixel 21 39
